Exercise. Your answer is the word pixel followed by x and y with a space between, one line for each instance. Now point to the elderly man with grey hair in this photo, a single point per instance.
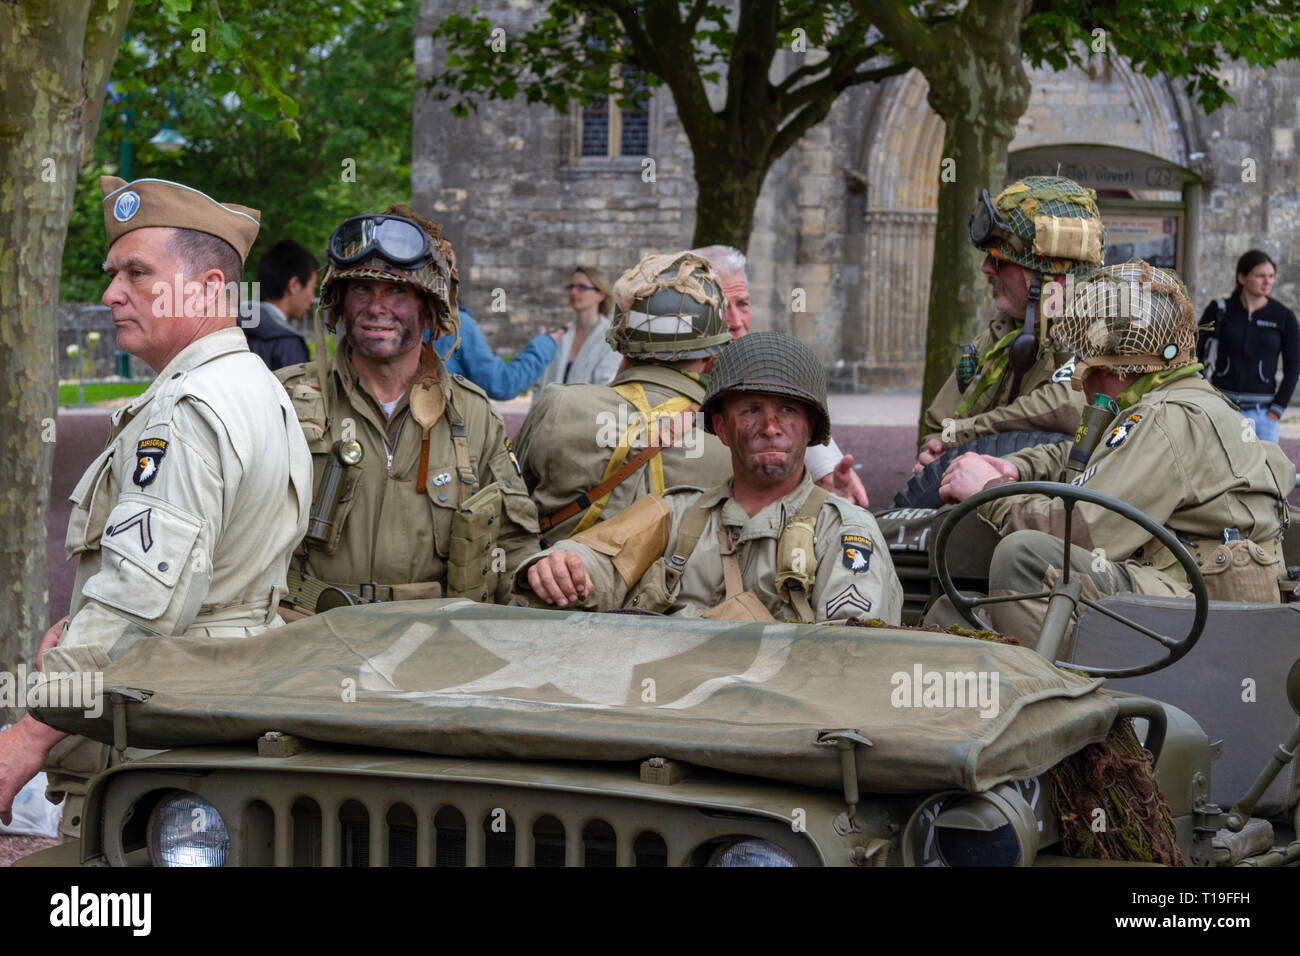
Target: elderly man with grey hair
pixel 828 466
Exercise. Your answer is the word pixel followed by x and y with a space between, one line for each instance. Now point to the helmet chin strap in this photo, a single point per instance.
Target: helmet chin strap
pixel 1024 348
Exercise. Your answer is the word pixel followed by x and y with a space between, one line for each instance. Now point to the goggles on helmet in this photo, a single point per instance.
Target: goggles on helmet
pixel 396 239
pixel 987 227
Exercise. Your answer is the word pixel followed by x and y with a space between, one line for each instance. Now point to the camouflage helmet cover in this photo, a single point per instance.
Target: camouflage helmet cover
pixel 1130 317
pixel 1055 225
pixel 775 363
pixel 669 306
pixel 437 279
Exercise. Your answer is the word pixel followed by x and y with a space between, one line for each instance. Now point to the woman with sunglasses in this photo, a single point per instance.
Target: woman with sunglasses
pixel 583 355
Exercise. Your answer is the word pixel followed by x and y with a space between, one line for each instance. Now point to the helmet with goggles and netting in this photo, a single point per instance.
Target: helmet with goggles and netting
pixel 774 363
pixel 1046 224
pixel 1130 318
pixel 393 246
pixel 669 306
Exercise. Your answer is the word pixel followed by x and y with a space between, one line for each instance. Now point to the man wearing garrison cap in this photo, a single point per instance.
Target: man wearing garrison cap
pixel 185 523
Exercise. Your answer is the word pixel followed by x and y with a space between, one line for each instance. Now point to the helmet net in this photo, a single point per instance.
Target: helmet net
pixel 1130 317
pixel 774 363
pixel 437 279
pixel 668 306
pixel 1057 225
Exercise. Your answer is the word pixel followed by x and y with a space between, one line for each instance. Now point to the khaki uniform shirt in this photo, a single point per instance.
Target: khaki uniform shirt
pixel 1046 401
pixel 571 432
pixel 1180 454
pixel 185 522
pixel 387 533
pixel 854 574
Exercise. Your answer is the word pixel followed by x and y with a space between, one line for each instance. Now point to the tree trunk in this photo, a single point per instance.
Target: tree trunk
pixel 725 201
pixel 981 90
pixel 57 61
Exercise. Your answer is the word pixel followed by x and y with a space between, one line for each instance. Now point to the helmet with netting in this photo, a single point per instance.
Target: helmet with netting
pixel 775 363
pixel 437 279
pixel 1130 317
pixel 668 306
pixel 1054 226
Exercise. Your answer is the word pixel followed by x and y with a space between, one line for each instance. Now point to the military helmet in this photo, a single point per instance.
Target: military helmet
pixel 669 306
pixel 1047 224
pixel 770 362
pixel 393 246
pixel 1130 317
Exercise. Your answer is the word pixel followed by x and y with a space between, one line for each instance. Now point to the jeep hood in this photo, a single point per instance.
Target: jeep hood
pixel 456 678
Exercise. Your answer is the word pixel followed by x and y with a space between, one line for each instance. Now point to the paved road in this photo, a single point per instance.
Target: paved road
pixel 885 453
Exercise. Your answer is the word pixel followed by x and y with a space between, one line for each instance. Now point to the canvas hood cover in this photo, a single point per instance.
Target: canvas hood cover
pixel 456 678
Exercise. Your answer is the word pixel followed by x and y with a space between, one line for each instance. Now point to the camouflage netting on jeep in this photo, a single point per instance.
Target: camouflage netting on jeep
pixel 1115 778
pixel 457 678
pixel 1129 317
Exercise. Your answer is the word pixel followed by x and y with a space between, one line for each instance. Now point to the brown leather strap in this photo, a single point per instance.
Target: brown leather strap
pixel 421 482
pixel 584 501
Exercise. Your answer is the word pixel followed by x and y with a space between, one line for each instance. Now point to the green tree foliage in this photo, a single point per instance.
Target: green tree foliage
pixel 318 129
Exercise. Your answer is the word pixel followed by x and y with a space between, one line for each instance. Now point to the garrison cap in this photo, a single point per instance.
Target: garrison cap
pixel 770 362
pixel 160 202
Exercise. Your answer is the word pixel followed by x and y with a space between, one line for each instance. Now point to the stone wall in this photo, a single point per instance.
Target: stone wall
pixel 845 222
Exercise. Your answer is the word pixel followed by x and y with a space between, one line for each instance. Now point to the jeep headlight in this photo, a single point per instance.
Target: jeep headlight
pixel 750 852
pixel 997 828
pixel 186 830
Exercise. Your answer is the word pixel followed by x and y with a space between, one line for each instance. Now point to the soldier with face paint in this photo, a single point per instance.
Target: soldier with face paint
pixel 416 492
pixel 1176 449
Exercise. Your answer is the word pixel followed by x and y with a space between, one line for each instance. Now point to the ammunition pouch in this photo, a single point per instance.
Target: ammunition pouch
pixel 474 531
pixel 745 606
pixel 653 592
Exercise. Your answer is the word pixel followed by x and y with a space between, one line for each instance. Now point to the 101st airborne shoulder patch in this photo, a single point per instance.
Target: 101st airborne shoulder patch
pixel 856 552
pixel 148 458
pixel 1119 434
pixel 513 460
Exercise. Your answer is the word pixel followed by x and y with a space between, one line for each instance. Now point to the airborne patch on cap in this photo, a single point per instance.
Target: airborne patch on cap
pixel 126 206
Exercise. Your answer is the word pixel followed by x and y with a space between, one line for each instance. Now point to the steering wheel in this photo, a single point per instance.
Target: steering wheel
pixel 1071 494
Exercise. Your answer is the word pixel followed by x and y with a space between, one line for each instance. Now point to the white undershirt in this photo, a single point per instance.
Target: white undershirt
pixel 390 407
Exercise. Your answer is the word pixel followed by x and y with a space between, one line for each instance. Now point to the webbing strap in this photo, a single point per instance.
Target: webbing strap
pixel 687 538
pixel 633 393
pixel 730 564
pixel 468 484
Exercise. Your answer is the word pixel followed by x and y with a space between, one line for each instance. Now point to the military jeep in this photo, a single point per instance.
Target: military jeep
pixel 449 733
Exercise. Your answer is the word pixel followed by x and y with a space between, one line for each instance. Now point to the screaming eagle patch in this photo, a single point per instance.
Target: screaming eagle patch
pixel 148 457
pixel 856 550
pixel 1119 434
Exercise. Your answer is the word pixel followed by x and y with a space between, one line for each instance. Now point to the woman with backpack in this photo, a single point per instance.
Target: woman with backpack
pixel 1240 340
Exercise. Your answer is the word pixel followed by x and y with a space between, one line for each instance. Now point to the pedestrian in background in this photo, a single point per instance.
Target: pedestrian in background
pixel 286 278
pixel 583 355
pixel 1240 340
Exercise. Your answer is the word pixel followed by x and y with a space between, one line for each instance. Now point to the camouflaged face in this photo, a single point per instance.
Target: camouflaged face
pixel 435 279
pixel 1057 225
pixel 770 362
pixel 1130 317
pixel 669 306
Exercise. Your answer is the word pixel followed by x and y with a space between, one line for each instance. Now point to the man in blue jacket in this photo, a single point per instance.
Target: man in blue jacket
pixel 475 360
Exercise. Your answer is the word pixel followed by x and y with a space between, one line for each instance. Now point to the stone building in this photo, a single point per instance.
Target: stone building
pixel 848 215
